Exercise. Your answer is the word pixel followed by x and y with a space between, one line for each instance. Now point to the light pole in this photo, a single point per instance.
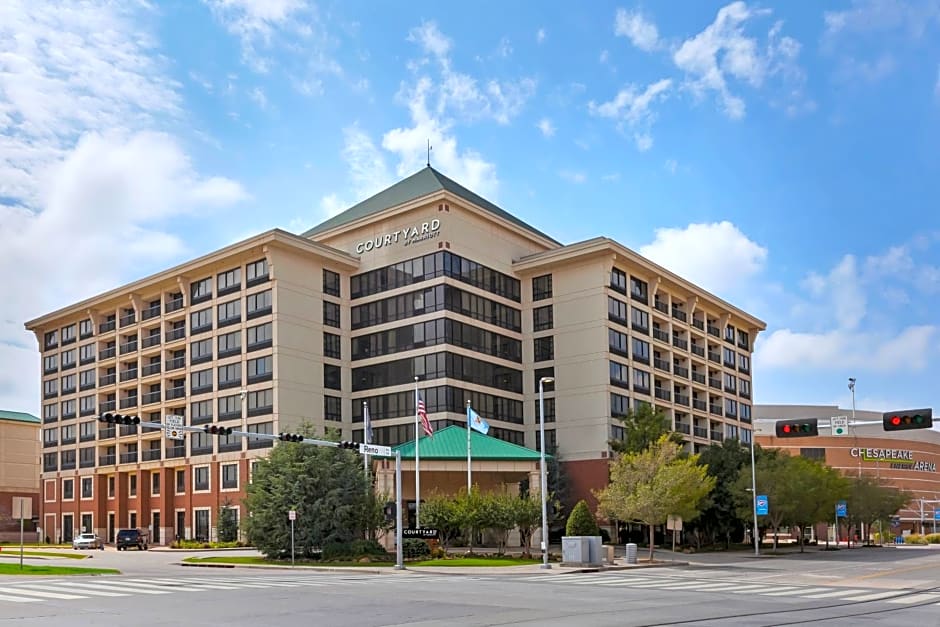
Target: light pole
pixel 852 390
pixel 543 475
pixel 754 494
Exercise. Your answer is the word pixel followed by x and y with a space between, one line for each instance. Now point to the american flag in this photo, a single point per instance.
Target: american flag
pixel 423 414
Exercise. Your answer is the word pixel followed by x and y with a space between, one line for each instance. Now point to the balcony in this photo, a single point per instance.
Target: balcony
pixel 700 432
pixel 659 305
pixel 108 326
pixel 151 397
pixel 150 340
pixel 717 436
pixel 107 353
pixel 176 334
pixel 713 330
pixel 175 451
pixel 106 432
pixel 129 374
pixel 681 371
pixel 639 328
pixel 715 357
pixel 128 320
pixel 679 343
pixel 176 363
pixel 104 406
pixel 151 455
pixel 745 345
pixel 663 394
pixel 129 458
pixel 661 364
pixel 714 383
pixel 150 312
pixel 682 427
pixel 678 314
pixel 682 399
pixel 698 324
pixel 86 463
pixel 715 409
pixel 150 369
pixel 178 392
pixel 662 336
pixel 174 305
pixel 68 465
pixel 107 379
pixel 129 402
pixel 698 350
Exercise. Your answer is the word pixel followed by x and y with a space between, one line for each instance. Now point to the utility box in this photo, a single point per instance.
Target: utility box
pixel 595 553
pixel 630 557
pixel 575 550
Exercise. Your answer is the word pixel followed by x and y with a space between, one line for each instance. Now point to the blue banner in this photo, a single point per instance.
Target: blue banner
pixel 763 505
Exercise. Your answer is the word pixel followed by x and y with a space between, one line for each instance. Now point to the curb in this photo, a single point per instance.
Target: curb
pixel 322 569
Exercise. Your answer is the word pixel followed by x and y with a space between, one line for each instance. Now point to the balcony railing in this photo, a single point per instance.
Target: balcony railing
pixel 129 374
pixel 151 397
pixel 699 404
pixel 661 364
pixel 106 432
pixel 150 340
pixel 151 455
pixel 104 406
pixel 176 363
pixel 174 305
pixel 700 432
pixel 698 350
pixel 150 312
pixel 150 369
pixel 698 324
pixel 714 383
pixel 678 314
pixel 715 409
pixel 175 393
pixel 127 403
pixel 682 399
pixel 681 427
pixel 717 436
pixel 107 379
pixel 663 394
pixel 129 458
pixel 107 326
pixel 107 353
pixel 713 330
pixel 698 377
pixel 681 371
pixel 715 357
pixel 107 460
pixel 679 343
pixel 175 451
pixel 662 336
pixel 661 306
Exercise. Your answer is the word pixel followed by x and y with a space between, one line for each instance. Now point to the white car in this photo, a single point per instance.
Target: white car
pixel 87 541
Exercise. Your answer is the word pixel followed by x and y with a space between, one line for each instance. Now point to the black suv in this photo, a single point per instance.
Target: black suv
pixel 131 537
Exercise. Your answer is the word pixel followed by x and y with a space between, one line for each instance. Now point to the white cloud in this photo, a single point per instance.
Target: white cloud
pixel 641 32
pixel 367 167
pixel 846 301
pixel 546 127
pixel 873 16
pixel 255 23
pixel 332 205
pixel 633 108
pixel 671 166
pixel 573 177
pixel 540 35
pixel 431 39
pixel 839 348
pixel 604 56
pixel 257 95
pixel 717 256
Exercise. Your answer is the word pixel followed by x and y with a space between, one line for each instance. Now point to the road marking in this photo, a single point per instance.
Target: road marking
pixel 82 588
pixel 916 598
pixel 834 593
pixel 12 599
pixel 42 594
pixel 875 595
pixel 785 592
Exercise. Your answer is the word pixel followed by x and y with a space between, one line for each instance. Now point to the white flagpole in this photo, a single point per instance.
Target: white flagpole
pixel 365 436
pixel 417 463
pixel 468 448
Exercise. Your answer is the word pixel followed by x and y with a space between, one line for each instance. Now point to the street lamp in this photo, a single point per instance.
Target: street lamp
pixel 852 390
pixel 544 480
pixel 754 494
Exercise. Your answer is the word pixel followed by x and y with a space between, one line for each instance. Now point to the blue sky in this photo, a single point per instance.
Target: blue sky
pixel 780 154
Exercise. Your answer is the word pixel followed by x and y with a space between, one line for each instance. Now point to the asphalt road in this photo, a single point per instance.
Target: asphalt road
pixel 878 586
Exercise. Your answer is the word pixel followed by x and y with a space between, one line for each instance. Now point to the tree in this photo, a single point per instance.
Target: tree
pixel 719 517
pixel 581 522
pixel 869 501
pixel 527 514
pixel 227 527
pixel 649 486
pixel 643 425
pixel 812 488
pixel 326 486
pixel 770 472
pixel 556 486
pixel 439 512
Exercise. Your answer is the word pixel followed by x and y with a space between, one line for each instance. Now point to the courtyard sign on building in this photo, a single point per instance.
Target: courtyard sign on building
pixel 896 458
pixel 405 236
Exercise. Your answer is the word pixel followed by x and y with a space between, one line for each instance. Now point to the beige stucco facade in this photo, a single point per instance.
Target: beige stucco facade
pixel 19 469
pixel 598 292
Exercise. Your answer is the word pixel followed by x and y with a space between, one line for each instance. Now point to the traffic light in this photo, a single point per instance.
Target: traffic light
pixel 801 428
pixel 349 445
pixel 290 437
pixel 907 419
pixel 118 419
pixel 217 430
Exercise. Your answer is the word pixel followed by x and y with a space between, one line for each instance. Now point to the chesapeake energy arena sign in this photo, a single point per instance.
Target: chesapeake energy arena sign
pixel 895 458
pixel 404 236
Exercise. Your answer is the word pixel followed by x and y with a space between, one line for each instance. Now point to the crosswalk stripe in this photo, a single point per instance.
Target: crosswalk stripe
pixel 834 593
pixel 42 594
pixel 139 587
pixel 78 588
pixel 916 598
pixel 874 596
pixel 783 592
pixel 749 588
pixel 13 599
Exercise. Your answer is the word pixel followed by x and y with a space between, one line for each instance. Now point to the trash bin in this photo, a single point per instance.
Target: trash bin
pixel 631 554
pixel 609 553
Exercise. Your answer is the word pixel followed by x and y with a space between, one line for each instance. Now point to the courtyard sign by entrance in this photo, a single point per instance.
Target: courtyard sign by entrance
pixel 896 458
pixel 405 236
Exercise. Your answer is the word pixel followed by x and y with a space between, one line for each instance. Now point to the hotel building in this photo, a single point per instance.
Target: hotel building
pixel 423 279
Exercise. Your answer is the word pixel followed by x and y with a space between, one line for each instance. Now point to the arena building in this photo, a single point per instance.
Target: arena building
pixel 425 279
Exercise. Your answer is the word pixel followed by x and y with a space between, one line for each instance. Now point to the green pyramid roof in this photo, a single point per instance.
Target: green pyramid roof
pixel 451 443
pixel 18 416
pixel 422 183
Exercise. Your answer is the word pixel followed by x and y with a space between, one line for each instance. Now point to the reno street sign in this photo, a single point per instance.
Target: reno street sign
pixel 404 236
pixel 896 458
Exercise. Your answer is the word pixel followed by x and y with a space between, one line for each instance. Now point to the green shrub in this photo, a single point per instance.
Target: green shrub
pixel 367 548
pixel 581 522
pixel 932 538
pixel 415 547
pixel 915 538
pixel 337 552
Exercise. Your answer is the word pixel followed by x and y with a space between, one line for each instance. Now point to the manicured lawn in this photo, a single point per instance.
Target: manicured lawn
pixel 460 561
pixel 15 553
pixel 14 569
pixel 477 561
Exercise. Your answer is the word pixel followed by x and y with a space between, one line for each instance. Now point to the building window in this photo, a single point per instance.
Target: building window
pixel 180 481
pixel 257 272
pixel 200 412
pixel 200 478
pixel 68 489
pixel 542 318
pixel 619 405
pixel 331 346
pixel 230 344
pixel 111 486
pixel 259 336
pixel 744 363
pixel 331 283
pixel 200 290
pixel 155 483
pixel 266 428
pixel 331 314
pixel 332 377
pixel 619 375
pixel 641 381
pixel 229 476
pixel 333 408
pixel 639 290
pixel 542 287
pixel 260 402
pixel 230 375
pixel 51 339
pixel 258 304
pixel 641 351
pixel 200 351
pixel 260 369
pixel 229 281
pixel 540 373
pixel 201 381
pixel 201 531
pixel 86 457
pixel 230 407
pixel 544 348
pixel 640 320
pixel 618 280
pixel 549 410
pixel 50 363
pixel 200 321
pixel 85 328
pixel 86 353
pixel 230 312
pixel 132 485
pixel 616 310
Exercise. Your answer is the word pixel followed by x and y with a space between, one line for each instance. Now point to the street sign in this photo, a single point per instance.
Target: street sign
pixel 842 509
pixel 22 508
pixel 936 513
pixel 173 427
pixel 763 505
pixel 292 514
pixel 673 523
pixel 423 532
pixel 374 449
pixel 840 425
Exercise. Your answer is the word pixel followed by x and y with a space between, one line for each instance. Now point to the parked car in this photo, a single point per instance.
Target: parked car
pixel 87 541
pixel 132 538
